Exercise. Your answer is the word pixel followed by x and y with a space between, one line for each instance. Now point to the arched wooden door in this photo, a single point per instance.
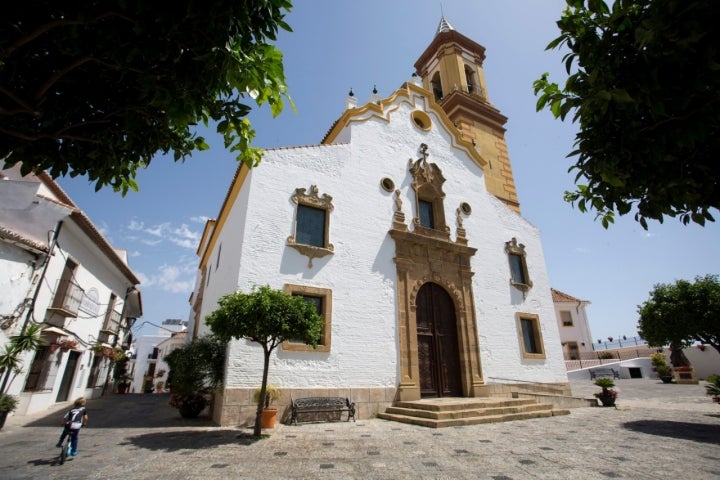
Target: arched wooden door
pixel 437 338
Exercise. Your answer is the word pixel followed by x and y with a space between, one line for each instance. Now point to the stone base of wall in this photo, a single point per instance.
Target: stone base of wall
pixel 235 407
pixel 513 389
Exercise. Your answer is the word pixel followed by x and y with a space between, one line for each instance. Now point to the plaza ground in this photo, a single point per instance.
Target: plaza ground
pixel 657 431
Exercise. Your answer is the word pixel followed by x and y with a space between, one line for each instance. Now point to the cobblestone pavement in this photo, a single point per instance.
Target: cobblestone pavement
pixel 657 431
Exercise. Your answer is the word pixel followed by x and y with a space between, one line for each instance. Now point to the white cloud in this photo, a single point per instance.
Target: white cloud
pixel 199 219
pixel 152 243
pixel 182 236
pixel 136 226
pixel 157 230
pixel 179 278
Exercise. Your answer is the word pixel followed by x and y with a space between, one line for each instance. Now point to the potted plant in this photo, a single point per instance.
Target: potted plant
pixel 188 404
pixel 8 403
pixel 29 339
pixel 196 369
pixel 713 388
pixel 68 344
pixel 267 317
pixel 159 386
pixel 268 414
pixel 148 384
pixel 665 373
pixel 123 383
pixel 608 394
pixel 661 367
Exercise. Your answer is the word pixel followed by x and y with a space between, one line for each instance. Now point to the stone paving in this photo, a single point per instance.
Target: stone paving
pixel 657 431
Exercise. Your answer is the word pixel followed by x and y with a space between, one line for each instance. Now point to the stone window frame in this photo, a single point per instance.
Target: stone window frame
pixel 537 336
pixel 569 315
pixel 324 344
pixel 573 350
pixel 518 249
pixel 427 184
pixel 313 200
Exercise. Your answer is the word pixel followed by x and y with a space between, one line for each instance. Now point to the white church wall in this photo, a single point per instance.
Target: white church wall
pixel 223 276
pixel 361 272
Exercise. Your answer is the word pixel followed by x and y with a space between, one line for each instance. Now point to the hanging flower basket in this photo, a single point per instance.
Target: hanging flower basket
pixel 64 344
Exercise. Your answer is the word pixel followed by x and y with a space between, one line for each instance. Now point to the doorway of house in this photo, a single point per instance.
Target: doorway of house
pixel 68 376
pixel 437 338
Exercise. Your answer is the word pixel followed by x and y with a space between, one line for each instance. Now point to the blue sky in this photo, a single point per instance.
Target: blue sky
pixel 338 45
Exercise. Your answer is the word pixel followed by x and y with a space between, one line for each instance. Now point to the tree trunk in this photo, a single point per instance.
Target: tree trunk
pixel 263 391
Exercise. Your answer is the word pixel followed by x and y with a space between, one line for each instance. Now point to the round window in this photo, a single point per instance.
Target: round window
pixel 421 120
pixel 387 184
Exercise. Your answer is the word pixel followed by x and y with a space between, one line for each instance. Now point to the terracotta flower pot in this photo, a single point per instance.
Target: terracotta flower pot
pixel 268 418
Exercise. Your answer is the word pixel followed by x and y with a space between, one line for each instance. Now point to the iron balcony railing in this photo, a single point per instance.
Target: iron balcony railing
pixel 68 296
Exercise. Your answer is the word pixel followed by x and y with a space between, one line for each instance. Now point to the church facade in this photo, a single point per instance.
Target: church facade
pixel 404 228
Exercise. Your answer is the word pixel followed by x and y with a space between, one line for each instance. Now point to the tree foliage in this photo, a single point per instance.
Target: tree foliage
pixel 682 313
pixel 644 86
pixel 29 339
pixel 268 317
pixel 198 366
pixel 99 88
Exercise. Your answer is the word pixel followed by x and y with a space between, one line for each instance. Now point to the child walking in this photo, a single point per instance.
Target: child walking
pixel 72 422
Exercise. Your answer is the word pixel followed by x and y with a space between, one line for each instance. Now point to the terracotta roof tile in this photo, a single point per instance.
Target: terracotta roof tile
pixel 559 296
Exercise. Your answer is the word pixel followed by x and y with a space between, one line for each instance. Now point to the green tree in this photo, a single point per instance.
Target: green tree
pixel 99 88
pixel 644 86
pixel 196 369
pixel 682 313
pixel 268 317
pixel 29 339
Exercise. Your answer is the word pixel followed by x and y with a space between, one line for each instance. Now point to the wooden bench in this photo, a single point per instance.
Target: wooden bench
pixel 322 405
pixel 604 372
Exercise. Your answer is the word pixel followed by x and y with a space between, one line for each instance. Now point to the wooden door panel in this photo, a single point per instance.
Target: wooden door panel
pixel 426 354
pixel 439 360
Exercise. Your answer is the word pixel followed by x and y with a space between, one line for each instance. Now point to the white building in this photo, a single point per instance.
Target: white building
pixel 149 351
pixel 572 321
pixel 57 269
pixel 403 227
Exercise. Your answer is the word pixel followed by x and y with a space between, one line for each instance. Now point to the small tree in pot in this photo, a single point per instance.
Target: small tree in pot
pixel 608 394
pixel 267 317
pixel 29 338
pixel 197 370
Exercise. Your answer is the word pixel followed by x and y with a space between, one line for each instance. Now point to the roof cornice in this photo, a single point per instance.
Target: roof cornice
pixel 86 225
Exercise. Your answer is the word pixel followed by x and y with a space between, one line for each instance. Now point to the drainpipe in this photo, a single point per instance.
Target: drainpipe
pixel 31 307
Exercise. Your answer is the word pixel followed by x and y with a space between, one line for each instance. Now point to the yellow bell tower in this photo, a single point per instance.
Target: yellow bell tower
pixel 452 68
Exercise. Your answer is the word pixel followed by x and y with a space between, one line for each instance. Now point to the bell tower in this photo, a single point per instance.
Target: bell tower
pixel 451 67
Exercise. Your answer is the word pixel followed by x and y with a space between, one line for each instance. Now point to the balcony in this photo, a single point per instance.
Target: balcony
pixel 67 299
pixel 106 336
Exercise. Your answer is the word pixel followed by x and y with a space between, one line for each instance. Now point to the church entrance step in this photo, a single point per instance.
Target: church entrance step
pixel 452 412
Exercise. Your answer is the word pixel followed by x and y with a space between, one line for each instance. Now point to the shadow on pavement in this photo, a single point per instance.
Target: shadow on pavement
pixel 697 432
pixel 128 411
pixel 189 440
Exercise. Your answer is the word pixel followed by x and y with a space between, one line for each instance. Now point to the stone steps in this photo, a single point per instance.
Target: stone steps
pixel 453 412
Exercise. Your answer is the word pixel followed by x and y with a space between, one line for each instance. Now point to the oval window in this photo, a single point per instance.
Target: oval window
pixel 387 184
pixel 421 120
